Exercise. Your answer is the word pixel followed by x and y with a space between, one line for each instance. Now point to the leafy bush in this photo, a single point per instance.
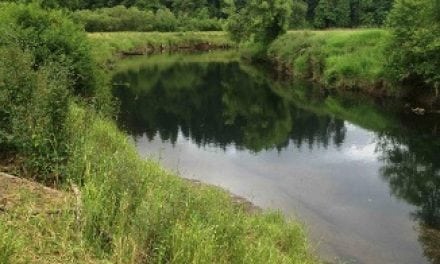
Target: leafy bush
pixel 261 21
pixel 118 18
pixel 45 59
pixel 50 36
pixel 34 105
pixel 415 46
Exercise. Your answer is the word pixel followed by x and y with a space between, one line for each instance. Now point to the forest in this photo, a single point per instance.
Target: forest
pixel 67 87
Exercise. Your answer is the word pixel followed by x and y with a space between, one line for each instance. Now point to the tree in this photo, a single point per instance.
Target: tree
pixel 50 36
pixel 415 44
pixel 299 12
pixel 260 21
pixel 311 6
pixel 374 12
pixel 333 13
pixel 347 13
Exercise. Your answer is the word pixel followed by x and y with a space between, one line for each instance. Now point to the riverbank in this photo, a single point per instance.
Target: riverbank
pixel 346 60
pixel 128 210
pixel 339 59
pixel 132 210
pixel 113 45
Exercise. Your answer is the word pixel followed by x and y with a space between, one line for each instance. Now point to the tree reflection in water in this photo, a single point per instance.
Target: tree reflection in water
pixel 199 101
pixel 411 159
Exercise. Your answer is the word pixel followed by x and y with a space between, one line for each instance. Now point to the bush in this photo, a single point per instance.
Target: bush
pixel 50 36
pixel 260 21
pixel 415 46
pixel 34 105
pixel 45 59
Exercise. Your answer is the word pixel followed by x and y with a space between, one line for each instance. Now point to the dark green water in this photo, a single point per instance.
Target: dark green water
pixel 362 176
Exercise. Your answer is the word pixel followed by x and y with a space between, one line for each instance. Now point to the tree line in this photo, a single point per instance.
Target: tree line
pixel 304 13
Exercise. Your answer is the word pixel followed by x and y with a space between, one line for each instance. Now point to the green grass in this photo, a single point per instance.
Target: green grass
pixel 352 59
pixel 133 211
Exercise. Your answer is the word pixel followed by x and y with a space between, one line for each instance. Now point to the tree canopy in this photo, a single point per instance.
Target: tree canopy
pixel 260 21
pixel 305 13
pixel 415 46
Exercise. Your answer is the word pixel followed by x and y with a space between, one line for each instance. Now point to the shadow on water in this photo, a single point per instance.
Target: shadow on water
pixel 224 103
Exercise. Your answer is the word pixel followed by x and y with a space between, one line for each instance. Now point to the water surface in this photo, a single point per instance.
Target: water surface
pixel 363 177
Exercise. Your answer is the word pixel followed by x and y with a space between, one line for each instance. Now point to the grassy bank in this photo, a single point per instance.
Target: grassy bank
pixel 107 45
pixel 343 59
pixel 135 212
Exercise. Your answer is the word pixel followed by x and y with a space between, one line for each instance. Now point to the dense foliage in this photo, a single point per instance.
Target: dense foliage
pixel 201 14
pixel 45 60
pixel 260 21
pixel 121 18
pixel 49 37
pixel 415 47
pixel 33 111
pixel 347 13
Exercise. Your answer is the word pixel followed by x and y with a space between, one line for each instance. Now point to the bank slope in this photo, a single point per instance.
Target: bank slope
pixel 342 59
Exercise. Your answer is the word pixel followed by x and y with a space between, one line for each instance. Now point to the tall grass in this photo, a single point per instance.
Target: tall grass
pixel 8 243
pixel 352 59
pixel 134 211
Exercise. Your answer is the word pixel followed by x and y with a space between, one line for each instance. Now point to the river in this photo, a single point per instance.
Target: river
pixel 362 175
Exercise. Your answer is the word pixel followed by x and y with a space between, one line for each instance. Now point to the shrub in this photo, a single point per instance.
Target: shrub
pixel 118 18
pixel 260 21
pixel 45 58
pixel 34 105
pixel 49 36
pixel 415 46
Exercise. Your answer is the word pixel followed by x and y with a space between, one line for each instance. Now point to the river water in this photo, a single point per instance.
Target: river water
pixel 363 177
